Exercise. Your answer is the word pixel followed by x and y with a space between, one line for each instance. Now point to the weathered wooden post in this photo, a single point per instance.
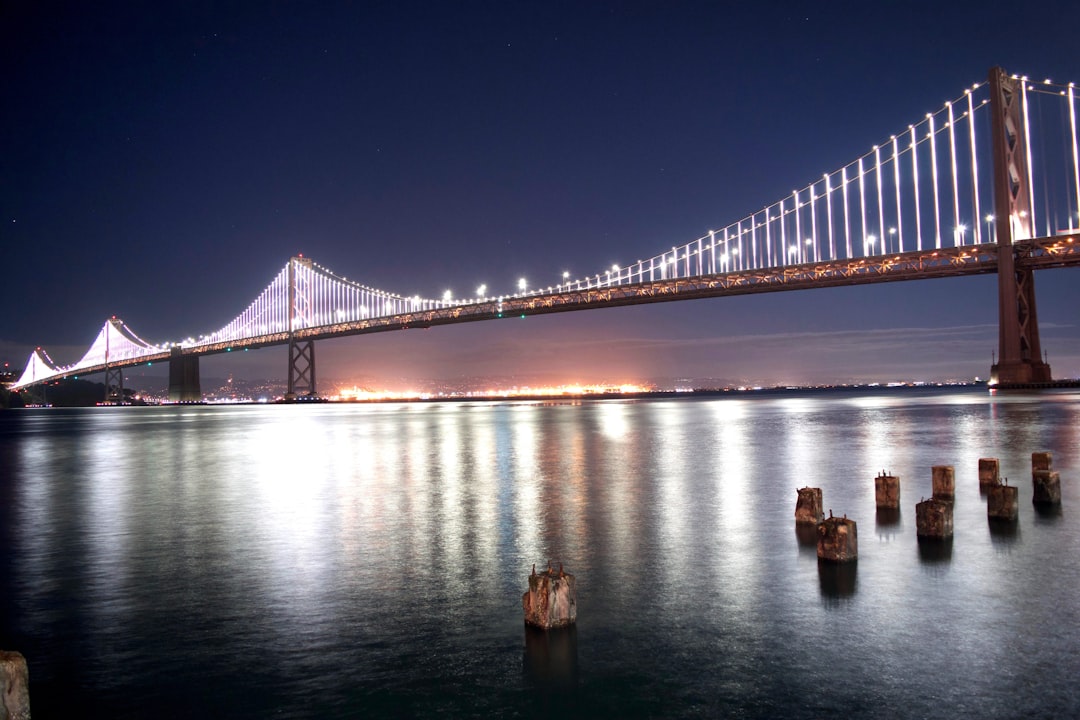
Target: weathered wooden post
pixel 14 686
pixel 1001 502
pixel 887 491
pixel 1046 484
pixel 808 507
pixel 1046 487
pixel 934 519
pixel 1041 461
pixel 944 482
pixel 837 540
pixel 989 469
pixel 551 600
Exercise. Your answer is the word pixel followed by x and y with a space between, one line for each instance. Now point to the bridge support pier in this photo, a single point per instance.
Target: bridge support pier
pixel 301 369
pixel 114 385
pixel 184 377
pixel 1020 358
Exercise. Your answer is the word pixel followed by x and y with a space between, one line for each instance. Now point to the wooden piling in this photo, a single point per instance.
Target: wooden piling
pixel 808 507
pixel 551 600
pixel 14 686
pixel 1002 501
pixel 989 472
pixel 934 519
pixel 1041 461
pixel 837 540
pixel 944 482
pixel 1046 487
pixel 887 491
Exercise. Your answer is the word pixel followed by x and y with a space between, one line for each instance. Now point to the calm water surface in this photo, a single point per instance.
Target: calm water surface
pixel 368 561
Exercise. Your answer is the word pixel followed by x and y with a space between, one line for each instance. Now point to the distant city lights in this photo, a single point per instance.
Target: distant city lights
pixel 358 394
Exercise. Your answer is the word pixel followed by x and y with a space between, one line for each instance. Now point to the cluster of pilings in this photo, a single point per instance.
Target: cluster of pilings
pixel 836 536
pixel 1002 499
pixel 934 517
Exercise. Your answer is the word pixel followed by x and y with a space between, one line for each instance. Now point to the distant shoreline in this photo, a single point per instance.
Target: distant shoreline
pixel 640 395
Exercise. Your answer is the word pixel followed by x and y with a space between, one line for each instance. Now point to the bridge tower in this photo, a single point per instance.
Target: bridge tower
pixel 1020 358
pixel 301 352
pixel 114 376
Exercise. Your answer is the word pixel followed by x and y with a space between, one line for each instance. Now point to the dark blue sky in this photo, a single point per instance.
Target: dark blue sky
pixel 162 161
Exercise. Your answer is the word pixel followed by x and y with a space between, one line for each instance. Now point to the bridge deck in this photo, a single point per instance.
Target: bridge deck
pixel 1038 253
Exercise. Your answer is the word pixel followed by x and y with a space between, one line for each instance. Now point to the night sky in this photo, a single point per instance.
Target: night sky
pixel 162 161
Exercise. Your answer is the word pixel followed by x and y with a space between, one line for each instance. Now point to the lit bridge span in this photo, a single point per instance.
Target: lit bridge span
pixel 953 194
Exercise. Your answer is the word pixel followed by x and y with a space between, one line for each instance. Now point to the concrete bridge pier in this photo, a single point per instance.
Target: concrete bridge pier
pixel 114 385
pixel 184 377
pixel 301 369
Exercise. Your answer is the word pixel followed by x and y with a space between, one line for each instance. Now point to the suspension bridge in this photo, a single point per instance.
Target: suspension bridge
pixel 951 194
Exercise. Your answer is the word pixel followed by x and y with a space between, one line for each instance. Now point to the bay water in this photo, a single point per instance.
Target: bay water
pixel 335 561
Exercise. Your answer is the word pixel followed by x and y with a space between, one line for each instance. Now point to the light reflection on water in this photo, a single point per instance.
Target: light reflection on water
pixel 332 561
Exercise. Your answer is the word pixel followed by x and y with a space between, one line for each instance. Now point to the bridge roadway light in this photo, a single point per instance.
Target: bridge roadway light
pixel 447 296
pixel 959 234
pixel 481 291
pixel 522 285
pixel 989 219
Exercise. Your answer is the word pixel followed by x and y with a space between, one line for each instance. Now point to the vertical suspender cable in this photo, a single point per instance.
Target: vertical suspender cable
pixel 880 205
pixel 915 186
pixel 896 182
pixel 1030 168
pixel 862 208
pixel 955 190
pixel 828 206
pixel 1073 213
pixel 934 179
pixel 977 221
pixel 847 222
